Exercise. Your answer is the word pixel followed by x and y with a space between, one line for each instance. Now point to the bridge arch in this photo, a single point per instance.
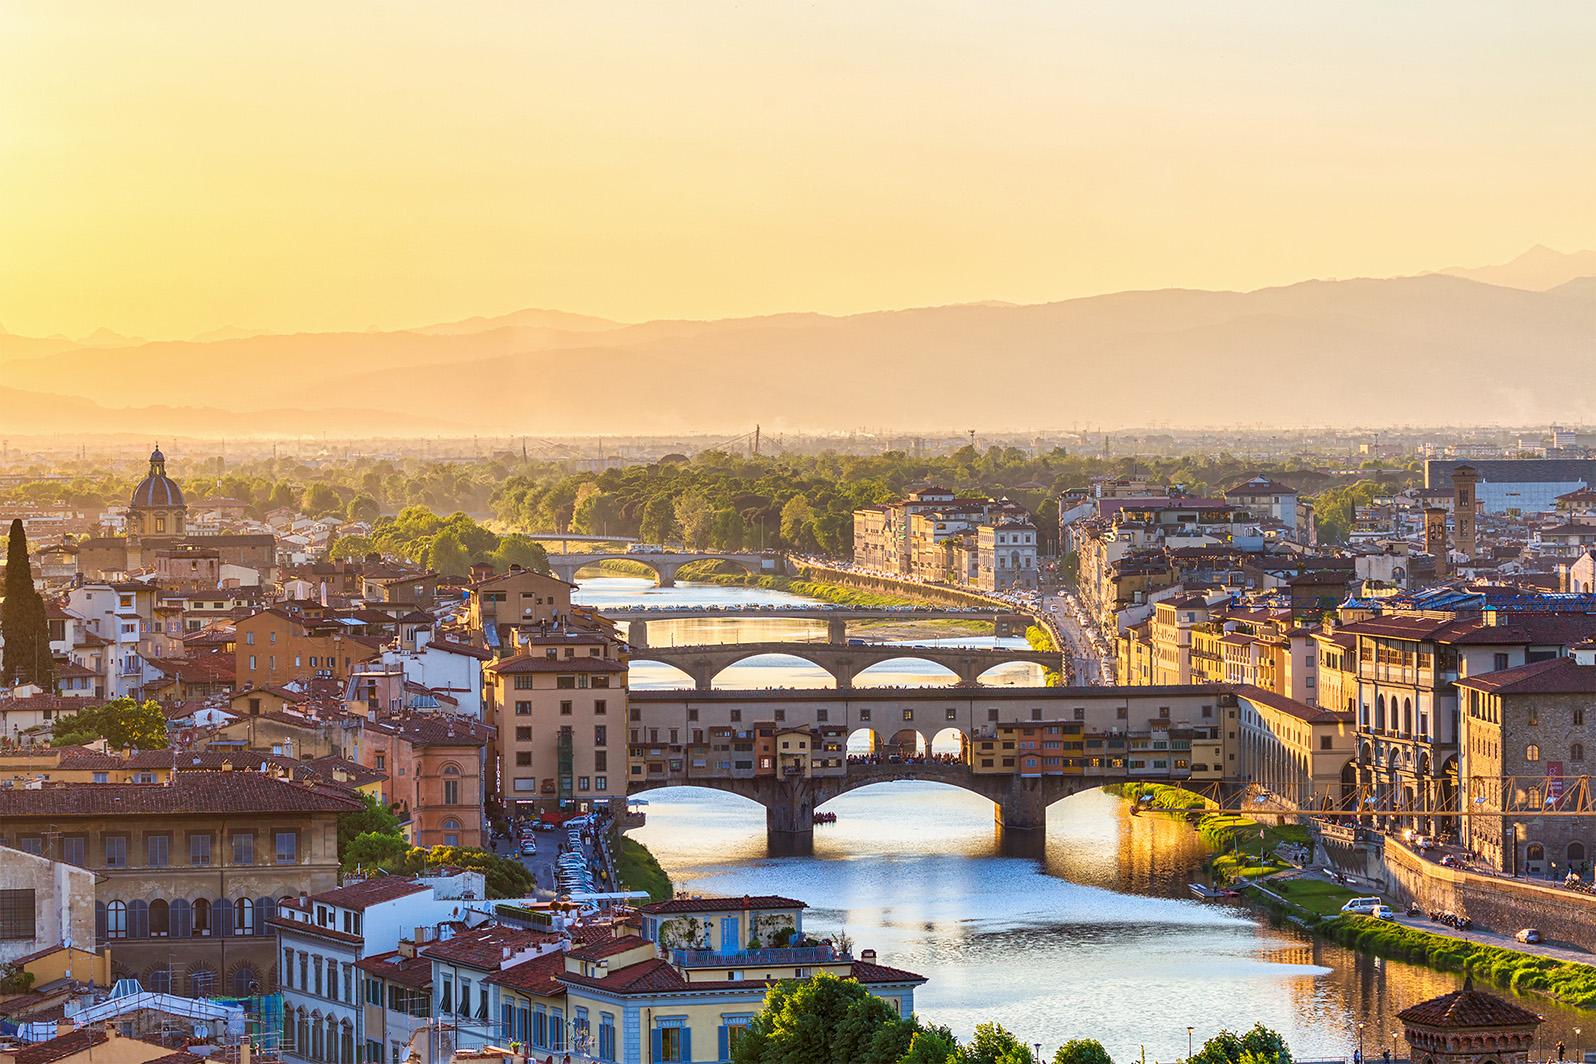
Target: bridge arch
pixel 591 567
pixel 657 675
pixel 950 742
pixel 756 659
pixel 1016 673
pixel 890 672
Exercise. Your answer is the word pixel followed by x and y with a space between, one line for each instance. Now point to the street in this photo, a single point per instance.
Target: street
pixel 1087 665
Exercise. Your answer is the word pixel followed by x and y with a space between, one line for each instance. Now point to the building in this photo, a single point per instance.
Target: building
pixel 1530 729
pixel 1265 497
pixel 560 709
pixel 1527 485
pixel 935 536
pixel 44 904
pixel 274 646
pixel 1469 1027
pixel 518 598
pixel 436 768
pixel 324 937
pixel 1300 753
pixel 188 872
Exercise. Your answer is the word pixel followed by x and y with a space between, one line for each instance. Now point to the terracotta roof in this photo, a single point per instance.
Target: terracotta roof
pixel 305 927
pixel 414 972
pixel 62 1046
pixel 1554 676
pixel 452 647
pixel 487 947
pixel 369 892
pixel 535 663
pixel 189 793
pixel 645 977
pixel 868 972
pixel 720 905
pixel 537 976
pixel 609 947
pixel 434 729
pixel 1301 710
pixel 1468 1008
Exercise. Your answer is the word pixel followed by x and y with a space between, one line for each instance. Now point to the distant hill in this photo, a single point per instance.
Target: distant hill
pixel 1413 350
pixel 1537 270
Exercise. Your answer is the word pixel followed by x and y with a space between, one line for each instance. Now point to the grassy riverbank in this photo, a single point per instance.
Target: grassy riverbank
pixel 640 871
pixel 1566 981
pixel 1243 847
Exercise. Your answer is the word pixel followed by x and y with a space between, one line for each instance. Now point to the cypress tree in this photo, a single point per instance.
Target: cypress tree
pixel 23 622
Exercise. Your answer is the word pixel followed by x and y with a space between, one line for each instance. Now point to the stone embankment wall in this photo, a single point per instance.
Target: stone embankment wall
pixel 950 596
pixel 1493 902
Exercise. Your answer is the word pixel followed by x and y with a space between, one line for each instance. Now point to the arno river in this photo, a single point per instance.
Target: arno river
pixel 1097 938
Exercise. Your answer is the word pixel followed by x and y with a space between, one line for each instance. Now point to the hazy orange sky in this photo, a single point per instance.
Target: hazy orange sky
pixel 167 168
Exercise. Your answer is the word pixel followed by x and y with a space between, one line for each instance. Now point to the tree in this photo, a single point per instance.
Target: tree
pixel 1258 1046
pixel 993 1044
pixel 320 498
pixel 123 723
pixel 374 849
pixel 374 818
pixel 24 624
pixel 1082 1051
pixel 932 1045
pixel 349 547
pixel 824 1020
pixel 658 523
pixel 363 508
pixel 694 516
pixel 516 549
pixel 797 523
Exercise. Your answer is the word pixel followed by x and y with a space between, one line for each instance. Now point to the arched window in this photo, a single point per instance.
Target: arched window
pixel 265 909
pixel 202 917
pixel 1576 752
pixel 160 919
pixel 451 832
pixel 182 918
pixel 222 916
pixel 201 981
pixel 1407 716
pixel 244 917
pixel 1532 752
pixel 138 918
pixel 116 919
pixel 1379 712
pixel 1576 853
pixel 1534 852
pixel 245 981
pixel 159 979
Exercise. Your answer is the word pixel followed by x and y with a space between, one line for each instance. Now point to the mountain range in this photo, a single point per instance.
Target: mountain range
pixel 1510 343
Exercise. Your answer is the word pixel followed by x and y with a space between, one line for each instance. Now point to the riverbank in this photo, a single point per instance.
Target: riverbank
pixel 839 595
pixel 639 870
pixel 1244 855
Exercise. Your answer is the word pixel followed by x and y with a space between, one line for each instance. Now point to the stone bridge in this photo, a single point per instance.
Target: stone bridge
pixel 637 618
pixel 1020 803
pixel 665 563
pixel 843 661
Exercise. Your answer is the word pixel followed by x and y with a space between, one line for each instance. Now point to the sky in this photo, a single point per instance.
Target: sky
pixel 168 168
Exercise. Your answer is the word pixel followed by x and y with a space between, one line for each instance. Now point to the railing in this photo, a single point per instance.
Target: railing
pixel 754 958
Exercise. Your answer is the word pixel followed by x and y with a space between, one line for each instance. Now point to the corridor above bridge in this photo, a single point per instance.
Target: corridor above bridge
pixel 837 618
pixel 843 661
pixel 665 563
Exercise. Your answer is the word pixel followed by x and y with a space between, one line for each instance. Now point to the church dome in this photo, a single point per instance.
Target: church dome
pixel 157 491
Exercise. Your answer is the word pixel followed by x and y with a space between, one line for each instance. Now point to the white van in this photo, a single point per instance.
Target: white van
pixel 1363 906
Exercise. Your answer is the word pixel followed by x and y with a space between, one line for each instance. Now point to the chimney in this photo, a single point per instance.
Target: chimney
pixel 868 956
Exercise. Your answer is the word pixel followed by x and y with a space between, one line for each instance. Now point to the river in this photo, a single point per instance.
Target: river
pixel 1096 939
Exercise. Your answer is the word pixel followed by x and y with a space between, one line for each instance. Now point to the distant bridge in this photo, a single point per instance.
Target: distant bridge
pixel 637 618
pixel 842 660
pixel 665 563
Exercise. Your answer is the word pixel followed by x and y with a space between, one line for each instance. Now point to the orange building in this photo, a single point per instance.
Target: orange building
pixel 278 645
pixel 435 767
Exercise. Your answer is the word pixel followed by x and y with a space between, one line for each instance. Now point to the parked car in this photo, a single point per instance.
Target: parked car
pixel 1363 906
pixel 1383 912
pixel 1529 935
pixel 529 849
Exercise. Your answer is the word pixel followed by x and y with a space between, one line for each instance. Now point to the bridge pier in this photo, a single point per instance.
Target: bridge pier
pixel 637 634
pixel 790 821
pixel 836 630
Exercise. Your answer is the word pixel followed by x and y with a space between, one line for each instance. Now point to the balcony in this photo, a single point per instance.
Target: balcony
pixel 758 958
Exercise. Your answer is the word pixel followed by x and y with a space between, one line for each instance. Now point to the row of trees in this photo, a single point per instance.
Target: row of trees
pixel 124 724
pixel 826 1020
pixel 372 840
pixel 451 545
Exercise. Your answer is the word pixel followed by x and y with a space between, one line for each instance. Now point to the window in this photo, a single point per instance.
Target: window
pixel 565 682
pixel 864 714
pixel 16 913
pixel 1532 752
pixel 1576 752
pixel 908 714
pixel 75 850
pixel 243 916
pixel 523 758
pixel 523 735
pixel 451 792
pixel 115 851
pixel 523 709
pixel 199 850
pixel 736 715
pixel 601 761
pixel 287 847
pixel 670 1044
pixel 951 714
pixel 1500 662
pixel 243 848
pixel 202 917
pixel 115 920
pixel 601 783
pixel 565 708
pixel 581 783
pixel 523 681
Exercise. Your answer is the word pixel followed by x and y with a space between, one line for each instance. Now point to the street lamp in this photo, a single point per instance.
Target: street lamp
pixel 1360 1043
pixel 1189 1031
pixel 1038 1046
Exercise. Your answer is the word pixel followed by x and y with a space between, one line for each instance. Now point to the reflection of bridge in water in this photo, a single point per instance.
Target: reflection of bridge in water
pixel 1022 748
pixel 842 661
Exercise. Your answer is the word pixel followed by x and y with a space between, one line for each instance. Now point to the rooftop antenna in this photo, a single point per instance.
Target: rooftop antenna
pixel 756 441
pixel 972 438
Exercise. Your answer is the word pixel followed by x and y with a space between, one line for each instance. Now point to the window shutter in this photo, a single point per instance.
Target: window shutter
pixel 725 1042
pixel 99 922
pixel 659 1045
pixel 687 1043
pixel 138 919
pixel 222 916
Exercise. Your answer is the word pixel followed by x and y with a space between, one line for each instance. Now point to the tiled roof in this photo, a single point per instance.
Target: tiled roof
pixel 1301 710
pixel 61 1046
pixel 487 947
pixel 720 905
pixel 189 794
pixel 870 972
pixel 414 972
pixel 644 977
pixel 537 976
pixel 434 729
pixel 609 947
pixel 1468 1008
pixel 1554 676
pixel 369 892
